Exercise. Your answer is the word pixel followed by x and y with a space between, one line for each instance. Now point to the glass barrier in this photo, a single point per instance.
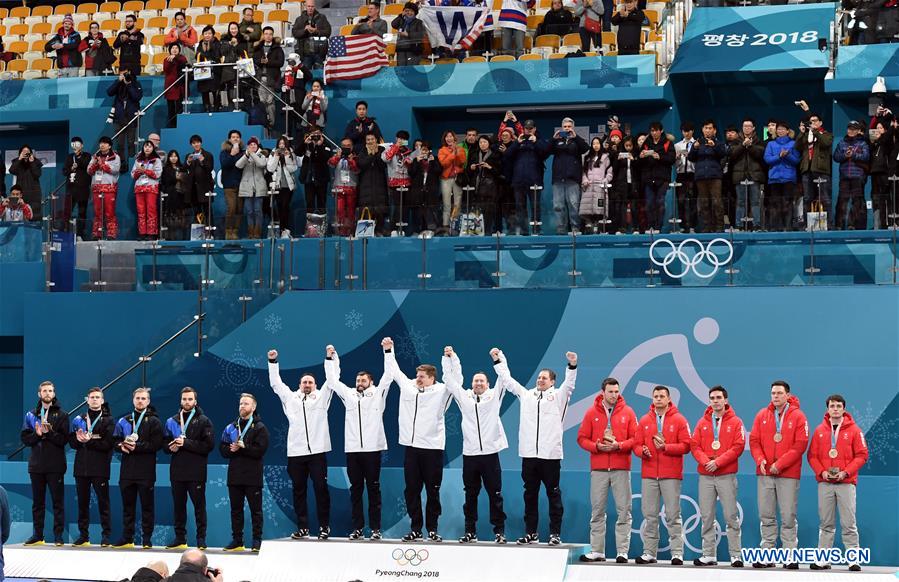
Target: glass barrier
pixel 20 242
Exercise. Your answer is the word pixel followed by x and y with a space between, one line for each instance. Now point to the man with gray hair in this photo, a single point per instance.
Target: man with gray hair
pixel 567 149
pixel 194 567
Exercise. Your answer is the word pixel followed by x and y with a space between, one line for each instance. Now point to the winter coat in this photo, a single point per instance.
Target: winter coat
pixel 288 163
pixel 199 177
pixel 856 166
pixel 416 30
pixel 731 438
pixel 657 170
pixel 567 153
pixel 28 178
pixel 667 463
pixel 365 26
pixel 315 109
pixel 187 37
pixel 356 129
pixel 151 172
pixel 595 175
pixel 882 156
pixel 346 171
pixel 485 181
pixel 372 179
pixel 211 53
pixel 620 171
pixel 188 573
pixel 129 49
pixel 852 450
pixel 126 100
pixel 748 162
pixel 560 22
pixel 593 427
pixel 819 161
pixel 48 451
pixel 887 26
pixel 105 169
pixel 629 32
pixel 781 170
pixel 231 53
pixel 145 574
pixel 707 159
pixel 92 458
pixel 425 176
pixel 252 182
pixel 140 464
pixel 398 162
pixel 231 174
pixel 174 184
pixel 305 44
pixel 788 452
pixel 452 161
pixel 272 70
pixel 314 168
pixel 526 161
pixel 70 54
pixel 245 464
pixel 20 213
pixel 172 69
pixel 189 462
pixel 78 181
pixel 98 55
pixel 249 38
pixel 594 8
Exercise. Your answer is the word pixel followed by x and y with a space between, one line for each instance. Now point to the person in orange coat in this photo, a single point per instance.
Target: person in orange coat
pixel 452 159
pixel 718 441
pixel 607 433
pixel 777 442
pixel 837 453
pixel 661 440
pixel 185 35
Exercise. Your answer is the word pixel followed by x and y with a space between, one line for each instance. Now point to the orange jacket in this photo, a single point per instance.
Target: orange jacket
pixel 188 38
pixel 852 450
pixel 788 452
pixel 667 463
pixel 593 427
pixel 452 162
pixel 731 437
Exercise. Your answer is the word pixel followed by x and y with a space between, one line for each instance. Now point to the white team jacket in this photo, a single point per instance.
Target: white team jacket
pixel 482 429
pixel 540 428
pixel 363 427
pixel 421 412
pixel 307 416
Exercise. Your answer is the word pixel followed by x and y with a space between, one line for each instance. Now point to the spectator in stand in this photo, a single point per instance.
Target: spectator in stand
pixel 596 12
pixel 814 146
pixel 505 199
pixel 126 93
pixel 209 50
pixel 200 180
pixel 282 165
pixel 625 184
pixel 424 192
pixel 513 20
pixel 361 125
pixel 525 157
pixel 268 58
pixel 233 48
pixel 484 42
pixel 863 24
pixel 883 165
pixel 315 105
pixel 595 183
pixel 346 179
pixel 173 187
pixel 373 23
pixel 887 29
pixel 14 209
pixel 629 21
pixel 470 143
pixel 249 29
pixel 128 43
pixel 484 169
pixel 410 34
pixel 707 155
pixel 685 175
pixel 67 43
pixel 853 155
pixel 397 157
pixel 728 192
pixel 613 123
pixel 232 150
pixel 657 157
pixel 747 162
pixel 253 186
pixel 567 149
pixel 154 138
pixel 104 170
pixel 98 56
pixel 27 169
pixel 557 20
pixel 185 35
pixel 314 173
pixel 311 29
pixel 452 161
pixel 78 187
pixel 146 173
pixel 296 77
pixel 373 181
pixel 173 68
pixel 782 159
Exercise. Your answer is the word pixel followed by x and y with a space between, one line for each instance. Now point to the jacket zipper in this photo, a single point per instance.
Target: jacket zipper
pixel 414 418
pixel 537 438
pixel 359 405
pixel 477 417
pixel 306 425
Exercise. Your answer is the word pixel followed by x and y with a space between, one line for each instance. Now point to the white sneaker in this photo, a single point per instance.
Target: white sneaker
pixel 593 556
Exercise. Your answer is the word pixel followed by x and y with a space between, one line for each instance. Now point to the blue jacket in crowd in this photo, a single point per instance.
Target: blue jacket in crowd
pixel 5 523
pixel 526 160
pixel 707 160
pixel 126 99
pixel 781 170
pixel 231 174
pixel 567 153
pixel 851 168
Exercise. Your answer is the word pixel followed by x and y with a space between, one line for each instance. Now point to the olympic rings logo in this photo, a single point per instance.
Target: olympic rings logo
pixel 704 254
pixel 410 556
pixel 689 525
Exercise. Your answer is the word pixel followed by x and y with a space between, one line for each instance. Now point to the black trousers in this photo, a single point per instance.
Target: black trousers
pixel 779 199
pixel 316 197
pixel 130 492
pixel 686 202
pixel 236 496
pixel 83 487
pixel 423 468
pixel 477 469
pixel 364 471
pixel 40 482
pixel 197 493
pixel 284 197
pixel 314 467
pixel 533 473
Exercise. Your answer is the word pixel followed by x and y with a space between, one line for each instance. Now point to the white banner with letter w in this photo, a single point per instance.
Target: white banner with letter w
pixel 455 27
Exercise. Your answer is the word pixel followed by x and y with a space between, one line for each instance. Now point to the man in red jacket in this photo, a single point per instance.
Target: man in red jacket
pixel 778 439
pixel 607 433
pixel 718 441
pixel 662 439
pixel 837 453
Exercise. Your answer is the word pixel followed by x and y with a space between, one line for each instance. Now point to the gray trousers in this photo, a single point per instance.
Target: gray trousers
pixel 831 498
pixel 620 484
pixel 778 494
pixel 566 202
pixel 667 490
pixel 711 489
pixel 513 42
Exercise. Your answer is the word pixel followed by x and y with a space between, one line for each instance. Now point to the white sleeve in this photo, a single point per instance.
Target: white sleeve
pixel 332 378
pixel 504 376
pixel 392 368
pixel 280 388
pixel 567 386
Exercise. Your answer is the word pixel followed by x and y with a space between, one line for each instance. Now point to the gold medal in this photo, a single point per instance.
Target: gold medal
pixel 716 445
pixel 778 437
pixel 833 454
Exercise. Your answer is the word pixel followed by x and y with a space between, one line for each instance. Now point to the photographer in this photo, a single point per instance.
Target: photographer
pixel 311 31
pixel 194 567
pixel 12 209
pixel 282 165
pixel 567 149
pixel 27 170
pixel 314 172
pixel 126 93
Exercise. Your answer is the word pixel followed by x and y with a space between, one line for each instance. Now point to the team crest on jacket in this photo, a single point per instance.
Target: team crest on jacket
pixel 312 396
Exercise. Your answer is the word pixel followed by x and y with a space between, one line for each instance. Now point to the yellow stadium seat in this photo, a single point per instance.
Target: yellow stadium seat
pixel 44 28
pixel 83 27
pixel 89 8
pixel 158 22
pixel 43 66
pixel 18 47
pixel 204 4
pixel 548 40
pixel 110 7
pixel 20 12
pixel 557 56
pixel 392 10
pixel 63 9
pixel 17 67
pixel 42 11
pixel 228 17
pixel 281 17
pixel 534 21
pixel 4 12
pixel 655 37
pixel 502 59
pixel 531 57
pixel 229 3
pixel 19 30
pixel 573 39
pixel 2 64
pixel 111 27
pixel 346 29
pixel 497 4
pixel 609 39
pixel 134 6
pixel 157 5
pixel 38 46
pixel 590 54
pixel 179 4
pixel 275 2
pixel 447 61
pixel 611 54
pixel 157 41
pixel 474 60
pixel 653 17
pixel 363 10
pixel 545 4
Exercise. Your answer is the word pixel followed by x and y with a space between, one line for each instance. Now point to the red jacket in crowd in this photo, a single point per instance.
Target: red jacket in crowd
pixel 667 463
pixel 788 452
pixel 731 438
pixel 593 427
pixel 852 450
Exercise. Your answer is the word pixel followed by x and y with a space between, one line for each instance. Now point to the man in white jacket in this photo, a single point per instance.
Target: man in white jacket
pixel 308 439
pixel 540 440
pixel 364 439
pixel 423 402
pixel 483 438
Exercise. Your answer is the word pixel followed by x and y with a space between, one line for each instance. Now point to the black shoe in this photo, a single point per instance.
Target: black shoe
pixel 792 566
pixel 645 560
pixel 375 534
pixel 817 567
pixel 412 536
pixel 700 563
pixel 35 541
pixel 356 535
pixel 677 561
pixel 123 544
pixel 592 557
pixel 201 543
pixel 554 540
pixel 300 534
pixel 468 538
pixel 177 544
pixel 82 541
pixel 499 538
pixel 257 545
pixel 434 536
pixel 104 543
pixel 736 564
pixel 621 560
pixel 324 533
pixel 234 546
pixel 762 565
pixel 530 538
pixel 855 568
pixel 148 545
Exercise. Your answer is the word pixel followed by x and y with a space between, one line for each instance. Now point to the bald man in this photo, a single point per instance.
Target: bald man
pixel 195 568
pixel 152 572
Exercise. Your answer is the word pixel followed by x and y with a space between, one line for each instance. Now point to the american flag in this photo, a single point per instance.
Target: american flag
pixel 354 57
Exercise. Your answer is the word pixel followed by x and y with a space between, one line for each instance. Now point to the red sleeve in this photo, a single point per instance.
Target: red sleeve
pixel 628 444
pixel 334 159
pixel 682 446
pixel 28 214
pixel 92 167
pixel 813 459
pixel 755 444
pixel 391 151
pixel 799 446
pixel 859 453
pixel 354 166
pixel 696 447
pixel 105 167
pixel 736 448
pixel 585 434
pixel 638 440
pixel 519 129
pixel 150 173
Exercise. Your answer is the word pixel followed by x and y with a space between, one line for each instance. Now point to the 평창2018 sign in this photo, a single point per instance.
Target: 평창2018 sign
pixel 755 38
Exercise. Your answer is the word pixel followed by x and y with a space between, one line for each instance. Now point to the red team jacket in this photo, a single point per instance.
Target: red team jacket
pixel 669 463
pixel 593 427
pixel 852 450
pixel 730 435
pixel 788 452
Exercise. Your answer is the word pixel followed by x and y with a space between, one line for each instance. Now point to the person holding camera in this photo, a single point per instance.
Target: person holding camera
pixel 315 105
pixel 311 31
pixel 360 126
pixel 12 209
pixel 98 56
pixel 268 57
pixel 126 93
pixel 253 186
pixel 424 190
pixel 525 159
pixel 201 178
pixel 346 179
pixel 706 155
pixel 282 165
pixel 27 169
pixel 373 181
pixel 484 170
pixel 814 145
pixel 232 150
pixel 314 173
pixel 128 43
pixel 397 157
pixel 194 567
pixel 567 149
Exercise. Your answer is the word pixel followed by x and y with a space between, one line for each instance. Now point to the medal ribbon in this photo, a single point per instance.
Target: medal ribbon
pixel 184 425
pixel 778 418
pixel 835 435
pixel 136 426
pixel 609 418
pixel 660 423
pixel 716 426
pixel 245 429
pixel 91 425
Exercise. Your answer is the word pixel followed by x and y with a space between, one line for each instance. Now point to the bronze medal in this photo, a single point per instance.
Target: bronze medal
pixel 833 454
pixel 778 437
pixel 609 436
pixel 716 445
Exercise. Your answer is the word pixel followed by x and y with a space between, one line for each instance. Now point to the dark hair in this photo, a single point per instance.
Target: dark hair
pixel 168 155
pixel 709 122
pixel 687 126
pixel 286 141
pixel 141 156
pixel 187 389
pixel 609 381
pixel 770 121
pixel 268 28
pixel 235 24
pixel 783 123
pixel 209 28
pixel 474 129
pixel 132 17
pixel 15 188
pixel 749 119
pixel 836 398
pixel 196 138
pixel 720 389
pixel 814 114
pixel 425 144
pixel 371 133
pixel 402 134
pixel 181 14
pixel 443 137
pixel 95 389
pixel 781 383
pixel 25 145
pixel 552 374
pixel 358 103
pixel 365 373
pixel 731 127
pixel 244 11
pixel 175 45
pixel 658 388
pixel 319 81
pixel 240 135
pixel 656 125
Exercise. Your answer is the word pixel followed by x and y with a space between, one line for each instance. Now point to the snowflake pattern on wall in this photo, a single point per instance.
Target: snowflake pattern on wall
pixel 273 323
pixel 162 534
pixel 353 320
pixel 880 434
pixel 18 515
pixel 549 83
pixel 412 344
pixel 236 371
pixel 277 493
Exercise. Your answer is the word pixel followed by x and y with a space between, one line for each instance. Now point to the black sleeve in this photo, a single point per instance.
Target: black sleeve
pixel 105 442
pixel 205 443
pixel 59 436
pixel 255 449
pixel 154 442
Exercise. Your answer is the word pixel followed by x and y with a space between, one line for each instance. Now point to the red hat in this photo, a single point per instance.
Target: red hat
pixel 254 140
pixel 617 132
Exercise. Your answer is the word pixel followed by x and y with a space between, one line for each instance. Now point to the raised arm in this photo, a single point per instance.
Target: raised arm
pixel 567 386
pixel 503 376
pixel 392 368
pixel 332 373
pixel 274 378
pixel 452 373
